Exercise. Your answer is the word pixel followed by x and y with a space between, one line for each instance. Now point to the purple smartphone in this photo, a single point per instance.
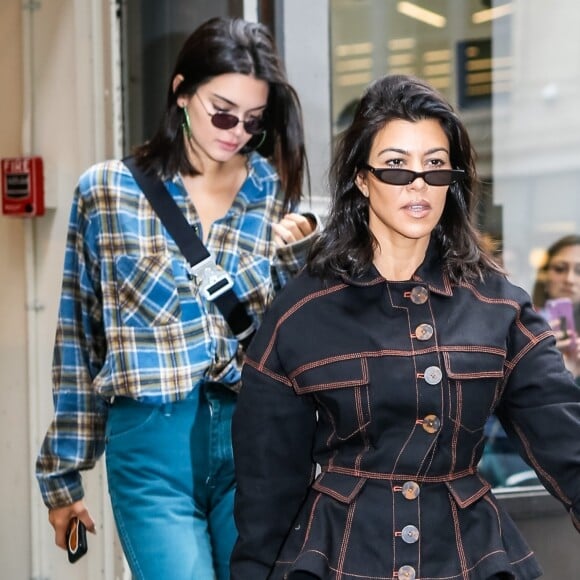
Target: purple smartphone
pixel 561 309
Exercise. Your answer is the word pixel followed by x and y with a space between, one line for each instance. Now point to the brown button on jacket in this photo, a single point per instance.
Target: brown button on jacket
pixel 337 376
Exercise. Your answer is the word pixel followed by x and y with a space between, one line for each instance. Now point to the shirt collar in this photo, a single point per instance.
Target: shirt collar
pixel 252 189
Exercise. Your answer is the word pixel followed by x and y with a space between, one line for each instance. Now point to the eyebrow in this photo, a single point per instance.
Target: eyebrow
pixel 231 103
pixel 563 262
pixel 405 152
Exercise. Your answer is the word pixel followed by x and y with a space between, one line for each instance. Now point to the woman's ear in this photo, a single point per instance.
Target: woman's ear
pixel 361 183
pixel 176 82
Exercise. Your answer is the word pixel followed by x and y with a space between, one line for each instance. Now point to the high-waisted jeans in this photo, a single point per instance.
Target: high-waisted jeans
pixel 171 481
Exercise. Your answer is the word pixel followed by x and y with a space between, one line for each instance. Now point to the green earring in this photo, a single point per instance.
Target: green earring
pixel 251 145
pixel 187 123
pixel 261 140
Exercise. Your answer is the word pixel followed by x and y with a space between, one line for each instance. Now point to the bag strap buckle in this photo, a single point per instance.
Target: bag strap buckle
pixel 211 279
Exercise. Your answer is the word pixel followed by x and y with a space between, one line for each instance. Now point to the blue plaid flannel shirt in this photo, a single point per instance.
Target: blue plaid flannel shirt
pixel 131 321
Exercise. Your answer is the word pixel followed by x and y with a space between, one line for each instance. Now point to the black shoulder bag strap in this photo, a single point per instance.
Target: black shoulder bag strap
pixel 213 281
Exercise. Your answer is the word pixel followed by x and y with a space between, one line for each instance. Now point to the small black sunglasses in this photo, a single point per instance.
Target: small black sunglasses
pixel 406 176
pixel 253 126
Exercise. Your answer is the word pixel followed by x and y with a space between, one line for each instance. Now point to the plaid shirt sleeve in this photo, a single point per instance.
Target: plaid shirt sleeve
pixel 75 438
pixel 290 259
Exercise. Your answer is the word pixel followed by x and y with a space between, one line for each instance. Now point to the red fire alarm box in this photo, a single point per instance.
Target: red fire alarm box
pixel 22 186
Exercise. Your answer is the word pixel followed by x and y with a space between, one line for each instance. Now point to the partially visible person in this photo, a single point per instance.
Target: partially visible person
pixel 414 338
pixel 559 277
pixel 145 365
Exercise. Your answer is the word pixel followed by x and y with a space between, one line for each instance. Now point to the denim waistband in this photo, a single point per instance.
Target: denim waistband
pixel 206 390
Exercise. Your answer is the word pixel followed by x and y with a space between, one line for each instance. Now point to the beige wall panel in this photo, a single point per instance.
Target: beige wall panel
pixel 14 484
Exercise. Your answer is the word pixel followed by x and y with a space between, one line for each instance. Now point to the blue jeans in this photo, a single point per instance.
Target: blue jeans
pixel 171 480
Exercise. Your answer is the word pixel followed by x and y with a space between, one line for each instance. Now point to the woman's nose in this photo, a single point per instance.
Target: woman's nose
pixel 239 129
pixel 417 183
pixel 571 275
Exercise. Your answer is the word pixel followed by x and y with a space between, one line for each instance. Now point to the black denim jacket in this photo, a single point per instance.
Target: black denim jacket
pixel 387 386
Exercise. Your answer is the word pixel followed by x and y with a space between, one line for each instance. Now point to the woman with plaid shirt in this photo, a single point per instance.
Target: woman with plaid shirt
pixel 146 368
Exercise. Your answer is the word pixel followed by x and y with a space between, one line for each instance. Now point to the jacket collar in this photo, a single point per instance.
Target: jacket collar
pixel 430 272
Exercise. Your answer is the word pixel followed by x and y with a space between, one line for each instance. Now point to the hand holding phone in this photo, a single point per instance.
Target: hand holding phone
pixel 562 311
pixel 76 540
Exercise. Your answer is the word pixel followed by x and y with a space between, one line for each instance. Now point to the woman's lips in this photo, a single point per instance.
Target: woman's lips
pixel 417 208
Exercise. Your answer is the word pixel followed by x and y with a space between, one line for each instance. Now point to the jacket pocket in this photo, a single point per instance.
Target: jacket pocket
pixel 468 490
pixel 471 365
pixel 147 291
pixel 474 380
pixel 343 488
pixel 341 389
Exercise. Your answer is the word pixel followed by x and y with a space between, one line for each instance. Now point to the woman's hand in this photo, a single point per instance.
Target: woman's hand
pixel 292 228
pixel 572 357
pixel 59 518
pixel 568 344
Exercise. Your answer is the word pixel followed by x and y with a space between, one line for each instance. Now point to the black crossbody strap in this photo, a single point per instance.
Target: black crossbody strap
pixel 213 281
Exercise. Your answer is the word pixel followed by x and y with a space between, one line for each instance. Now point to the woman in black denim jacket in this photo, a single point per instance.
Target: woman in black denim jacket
pixel 381 364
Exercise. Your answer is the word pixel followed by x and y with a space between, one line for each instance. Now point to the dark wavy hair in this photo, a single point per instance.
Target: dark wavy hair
pixel 539 294
pixel 346 246
pixel 221 46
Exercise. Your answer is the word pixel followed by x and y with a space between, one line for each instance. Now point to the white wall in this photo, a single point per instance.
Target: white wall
pixel 56 69
pixel 14 484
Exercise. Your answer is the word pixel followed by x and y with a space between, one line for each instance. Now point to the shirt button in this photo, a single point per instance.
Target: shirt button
pixel 419 295
pixel 411 490
pixel 410 534
pixel 431 423
pixel 407 573
pixel 433 375
pixel 424 332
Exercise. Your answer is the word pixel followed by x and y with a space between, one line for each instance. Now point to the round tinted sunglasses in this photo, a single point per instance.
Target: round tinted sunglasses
pixel 406 176
pixel 252 126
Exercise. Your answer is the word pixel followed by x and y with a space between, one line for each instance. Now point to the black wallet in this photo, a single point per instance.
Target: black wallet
pixel 76 540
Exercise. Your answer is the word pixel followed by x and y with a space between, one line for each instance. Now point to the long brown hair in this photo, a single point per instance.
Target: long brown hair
pixel 346 246
pixel 221 46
